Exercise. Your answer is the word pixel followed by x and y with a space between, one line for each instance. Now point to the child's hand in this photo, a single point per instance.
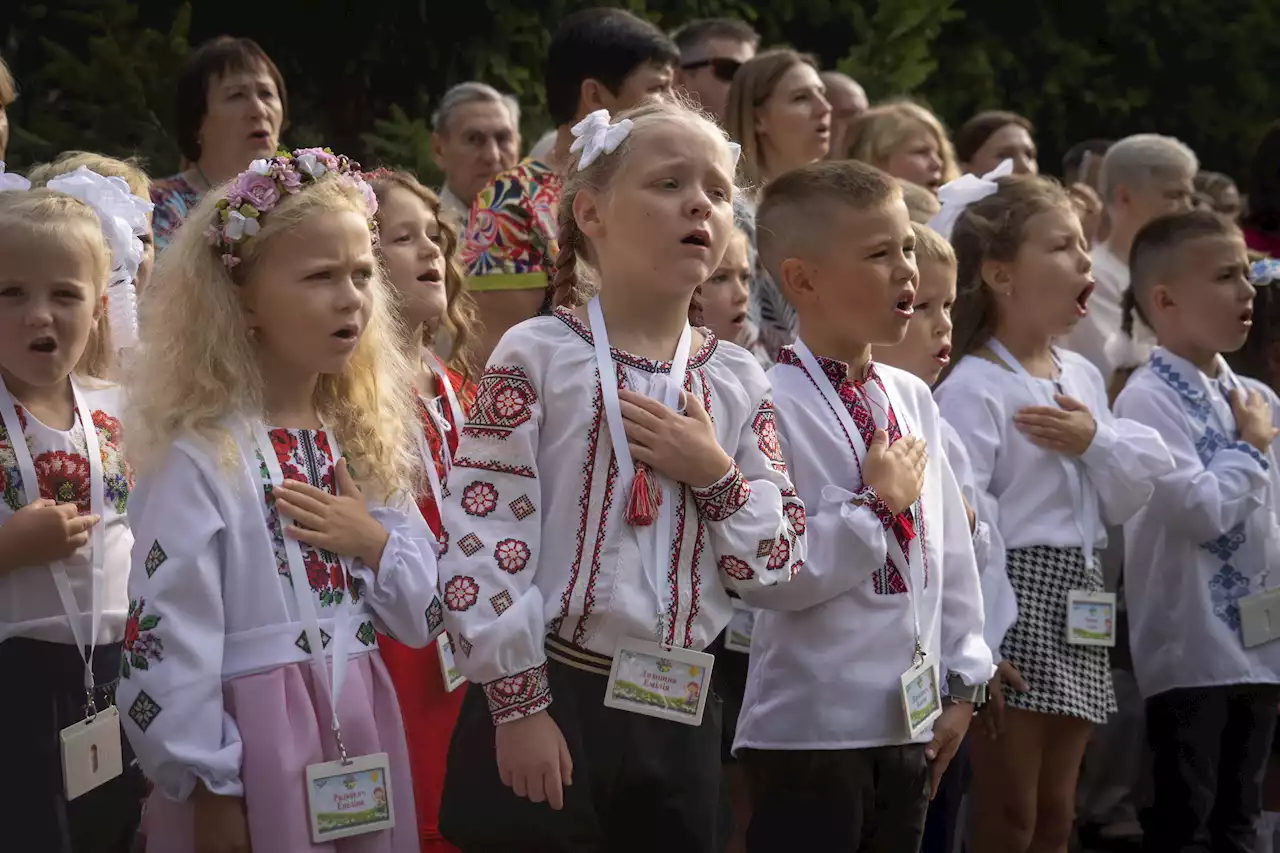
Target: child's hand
pixel 1253 418
pixel 1068 430
pixel 896 472
pixel 533 759
pixel 992 714
pixel 948 732
pixel 43 532
pixel 683 447
pixel 341 524
pixel 221 825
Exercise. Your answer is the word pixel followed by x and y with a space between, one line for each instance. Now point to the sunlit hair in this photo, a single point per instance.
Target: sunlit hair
pixel 1136 161
pixel 922 204
pixel 8 88
pixel 930 246
pixel 130 170
pixel 752 85
pixel 197 363
pixel 993 229
pixel 70 221
pixel 876 134
pixel 462 317
pixel 573 283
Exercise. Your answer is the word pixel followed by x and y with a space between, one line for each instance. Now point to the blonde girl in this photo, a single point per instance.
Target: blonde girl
pixel 587 519
pixel 64 535
pixel 272 387
pixel 418 250
pixel 907 141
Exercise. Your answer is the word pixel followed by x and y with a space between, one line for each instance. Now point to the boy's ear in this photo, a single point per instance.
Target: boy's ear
pixel 795 279
pixel 592 96
pixel 1162 296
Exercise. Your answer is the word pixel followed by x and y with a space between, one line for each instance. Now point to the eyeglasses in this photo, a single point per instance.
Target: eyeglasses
pixel 722 67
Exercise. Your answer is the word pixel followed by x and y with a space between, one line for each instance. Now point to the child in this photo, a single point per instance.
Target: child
pixel 1053 467
pixel 64 537
pixel 1197 556
pixel 417 246
pixel 557 539
pixel 826 739
pixel 1142 177
pixel 722 301
pixel 268 354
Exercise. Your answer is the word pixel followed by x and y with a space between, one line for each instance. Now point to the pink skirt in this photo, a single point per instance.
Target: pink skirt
pixel 284 724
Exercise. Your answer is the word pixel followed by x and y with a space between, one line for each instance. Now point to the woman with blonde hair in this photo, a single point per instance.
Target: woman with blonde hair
pixel 271 416
pixel 907 141
pixel 778 112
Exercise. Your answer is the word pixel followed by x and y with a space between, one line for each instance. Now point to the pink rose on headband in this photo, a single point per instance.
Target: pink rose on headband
pixel 258 190
pixel 289 178
pixel 370 198
pixel 325 158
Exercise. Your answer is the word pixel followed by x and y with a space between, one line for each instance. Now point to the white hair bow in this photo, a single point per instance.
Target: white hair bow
pixel 12 182
pixel 964 191
pixel 124 220
pixel 594 135
pixel 736 150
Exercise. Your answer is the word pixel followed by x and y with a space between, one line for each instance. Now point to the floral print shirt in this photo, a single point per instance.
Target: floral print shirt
pixel 512 227
pixel 174 198
pixel 29 602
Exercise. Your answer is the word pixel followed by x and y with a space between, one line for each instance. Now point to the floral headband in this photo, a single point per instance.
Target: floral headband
pixel 595 135
pixel 259 190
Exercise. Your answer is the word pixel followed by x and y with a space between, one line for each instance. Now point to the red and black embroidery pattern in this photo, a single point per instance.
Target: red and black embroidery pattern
pixel 522 507
pixel 470 544
pixel 738 569
pixel 480 498
pixel 496 467
pixel 501 602
pixel 519 695
pixel 721 500
pixel 512 555
pixel 585 515
pixel 504 401
pixel 765 426
pixel 64 477
pixel 461 593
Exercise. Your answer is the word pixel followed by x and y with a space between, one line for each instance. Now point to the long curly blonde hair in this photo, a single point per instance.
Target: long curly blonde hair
pixel 462 316
pixel 69 220
pixel 197 362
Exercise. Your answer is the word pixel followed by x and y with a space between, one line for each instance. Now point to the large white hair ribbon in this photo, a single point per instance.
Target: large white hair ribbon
pixel 964 191
pixel 594 135
pixel 124 220
pixel 12 182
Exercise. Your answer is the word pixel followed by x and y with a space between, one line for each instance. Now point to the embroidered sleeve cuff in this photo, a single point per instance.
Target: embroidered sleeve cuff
pixel 724 497
pixel 866 496
pixel 1246 447
pixel 517 696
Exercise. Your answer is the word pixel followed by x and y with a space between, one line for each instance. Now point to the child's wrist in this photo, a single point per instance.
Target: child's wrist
pixel 375 544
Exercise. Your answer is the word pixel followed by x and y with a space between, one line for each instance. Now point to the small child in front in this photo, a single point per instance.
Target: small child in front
pixel 1197 555
pixel 838 723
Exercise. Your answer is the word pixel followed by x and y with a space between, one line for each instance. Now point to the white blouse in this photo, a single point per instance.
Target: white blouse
pixel 1208 537
pixel 1025 492
pixel 212 598
pixel 29 602
pixel 535 523
pixel 830 647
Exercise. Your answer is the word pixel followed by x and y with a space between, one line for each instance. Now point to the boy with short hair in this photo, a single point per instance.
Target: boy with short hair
pixel 1197 556
pixel 598 59
pixel 1142 177
pixel 837 728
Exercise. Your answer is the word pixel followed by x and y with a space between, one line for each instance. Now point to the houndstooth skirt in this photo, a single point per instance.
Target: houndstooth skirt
pixel 1074 681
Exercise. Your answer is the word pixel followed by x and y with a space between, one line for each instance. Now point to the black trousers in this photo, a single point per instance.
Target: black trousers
pixel 639 783
pixel 45 694
pixel 944 812
pixel 1211 746
pixel 837 801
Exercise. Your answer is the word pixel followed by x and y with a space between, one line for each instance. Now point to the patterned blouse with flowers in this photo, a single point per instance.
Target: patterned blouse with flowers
pixel 29 602
pixel 174 198
pixel 512 228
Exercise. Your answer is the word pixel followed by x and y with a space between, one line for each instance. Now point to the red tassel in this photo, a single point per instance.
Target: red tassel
pixel 645 498
pixel 904 527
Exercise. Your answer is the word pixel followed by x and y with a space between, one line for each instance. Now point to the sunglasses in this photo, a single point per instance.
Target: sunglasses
pixel 723 68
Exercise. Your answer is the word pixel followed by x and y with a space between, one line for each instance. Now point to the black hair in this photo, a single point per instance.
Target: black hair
pixel 1264 183
pixel 975 132
pixel 694 33
pixel 216 57
pixel 605 45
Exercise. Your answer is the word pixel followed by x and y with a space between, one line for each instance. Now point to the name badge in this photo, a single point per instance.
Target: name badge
pixel 1091 618
pixel 349 798
pixel 649 679
pixel 737 637
pixel 1259 618
pixel 448 666
pixel 921 697
pixel 91 753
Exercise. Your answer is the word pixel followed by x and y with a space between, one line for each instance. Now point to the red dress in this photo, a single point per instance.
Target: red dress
pixel 429 711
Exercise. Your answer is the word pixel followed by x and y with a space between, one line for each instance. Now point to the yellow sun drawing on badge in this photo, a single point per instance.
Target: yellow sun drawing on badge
pixel 373 776
pixel 695 671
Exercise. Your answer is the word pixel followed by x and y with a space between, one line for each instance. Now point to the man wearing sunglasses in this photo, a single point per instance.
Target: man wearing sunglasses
pixel 711 51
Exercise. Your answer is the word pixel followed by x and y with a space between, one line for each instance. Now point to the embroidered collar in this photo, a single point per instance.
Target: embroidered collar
pixel 837 371
pixel 698 359
pixel 1184 377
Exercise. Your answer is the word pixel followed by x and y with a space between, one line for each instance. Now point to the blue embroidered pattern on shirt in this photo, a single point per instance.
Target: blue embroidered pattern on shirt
pixel 1226 589
pixel 1209 444
pixel 1197 405
pixel 1226 544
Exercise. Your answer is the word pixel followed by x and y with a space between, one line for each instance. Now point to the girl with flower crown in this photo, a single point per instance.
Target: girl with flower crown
pixel 603 502
pixel 275 525
pixel 64 535
pixel 418 248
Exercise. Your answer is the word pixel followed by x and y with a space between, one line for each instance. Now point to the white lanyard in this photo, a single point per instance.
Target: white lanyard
pixel 31 489
pixel 820 378
pixel 455 408
pixel 1220 399
pixel 307 608
pixel 443 428
pixel 1083 497
pixel 652 566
